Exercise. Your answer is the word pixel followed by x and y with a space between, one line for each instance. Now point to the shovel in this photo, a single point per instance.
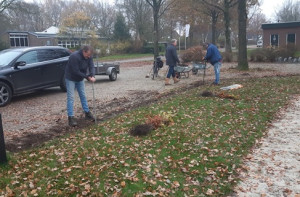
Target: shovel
pixel 94 109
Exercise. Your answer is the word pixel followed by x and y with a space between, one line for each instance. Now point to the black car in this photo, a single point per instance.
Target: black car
pixel 27 69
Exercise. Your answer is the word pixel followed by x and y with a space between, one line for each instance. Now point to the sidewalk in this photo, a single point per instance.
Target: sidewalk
pixel 274 167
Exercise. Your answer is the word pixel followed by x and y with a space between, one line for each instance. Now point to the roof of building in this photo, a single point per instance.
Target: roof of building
pixel 50 30
pixel 37 34
pixel 280 25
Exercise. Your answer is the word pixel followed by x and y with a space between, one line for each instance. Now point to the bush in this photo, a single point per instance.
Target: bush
pixel 264 55
pixel 3 46
pixel 149 48
pixel 270 54
pixel 257 55
pixel 227 57
pixel 289 51
pixel 194 54
pixel 121 47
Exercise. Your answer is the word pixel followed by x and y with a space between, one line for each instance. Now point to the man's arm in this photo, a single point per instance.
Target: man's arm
pixel 174 52
pixel 74 63
pixel 91 68
pixel 208 53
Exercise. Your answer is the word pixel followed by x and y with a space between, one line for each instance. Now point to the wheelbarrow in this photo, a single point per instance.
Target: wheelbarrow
pixel 182 70
pixel 199 67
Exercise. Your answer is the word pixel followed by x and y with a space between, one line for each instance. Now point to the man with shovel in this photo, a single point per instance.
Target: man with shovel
pixel 214 56
pixel 79 63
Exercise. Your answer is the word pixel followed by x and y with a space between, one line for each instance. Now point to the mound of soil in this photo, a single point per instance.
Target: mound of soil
pixel 141 130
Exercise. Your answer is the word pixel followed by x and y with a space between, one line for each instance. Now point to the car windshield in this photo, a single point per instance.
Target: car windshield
pixel 7 56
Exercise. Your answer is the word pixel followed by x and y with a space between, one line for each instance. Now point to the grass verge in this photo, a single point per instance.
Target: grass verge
pixel 198 153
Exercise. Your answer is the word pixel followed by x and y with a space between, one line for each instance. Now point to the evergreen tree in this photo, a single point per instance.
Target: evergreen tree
pixel 121 30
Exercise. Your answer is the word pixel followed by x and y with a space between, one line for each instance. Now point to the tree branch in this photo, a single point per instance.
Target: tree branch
pixel 5 4
pixel 149 2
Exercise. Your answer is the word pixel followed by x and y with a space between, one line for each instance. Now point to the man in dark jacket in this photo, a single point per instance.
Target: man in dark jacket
pixel 172 59
pixel 214 57
pixel 76 71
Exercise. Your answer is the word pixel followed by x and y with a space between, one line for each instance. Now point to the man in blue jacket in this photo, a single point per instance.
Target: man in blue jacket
pixel 214 57
pixel 76 71
pixel 171 60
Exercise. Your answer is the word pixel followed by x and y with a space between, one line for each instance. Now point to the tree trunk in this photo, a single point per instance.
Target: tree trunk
pixel 214 18
pixel 191 36
pixel 227 27
pixel 242 57
pixel 156 8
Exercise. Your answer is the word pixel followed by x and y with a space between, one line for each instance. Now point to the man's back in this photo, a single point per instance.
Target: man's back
pixel 171 55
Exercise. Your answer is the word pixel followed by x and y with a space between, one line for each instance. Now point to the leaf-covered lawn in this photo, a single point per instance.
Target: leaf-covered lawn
pixel 198 153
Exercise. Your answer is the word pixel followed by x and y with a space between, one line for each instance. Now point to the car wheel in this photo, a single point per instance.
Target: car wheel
pixel 63 84
pixel 5 94
pixel 113 75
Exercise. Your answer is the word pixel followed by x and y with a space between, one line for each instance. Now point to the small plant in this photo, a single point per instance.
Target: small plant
pixel 164 118
pixel 156 121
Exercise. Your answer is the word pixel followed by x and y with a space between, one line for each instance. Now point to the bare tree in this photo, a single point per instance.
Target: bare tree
pixel 52 12
pixel 139 16
pixel 254 23
pixel 290 11
pixel 4 4
pixel 25 16
pixel 212 11
pixel 103 17
pixel 5 23
pixel 224 6
pixel 158 8
pixel 197 16
pixel 242 55
pixel 76 25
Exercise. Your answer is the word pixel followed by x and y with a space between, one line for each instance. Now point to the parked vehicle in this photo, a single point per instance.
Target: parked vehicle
pixel 110 69
pixel 23 70
pixel 259 43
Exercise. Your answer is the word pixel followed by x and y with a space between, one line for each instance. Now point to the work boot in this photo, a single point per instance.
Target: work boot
pixel 176 80
pixel 89 116
pixel 72 121
pixel 167 81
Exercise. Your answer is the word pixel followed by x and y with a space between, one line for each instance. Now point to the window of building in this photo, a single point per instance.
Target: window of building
pixel 274 40
pixel 68 44
pixel 291 38
pixel 71 44
pixel 18 40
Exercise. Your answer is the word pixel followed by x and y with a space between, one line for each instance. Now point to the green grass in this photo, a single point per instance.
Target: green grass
pixel 122 57
pixel 199 153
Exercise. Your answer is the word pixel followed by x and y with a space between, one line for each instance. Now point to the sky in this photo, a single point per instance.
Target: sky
pixel 269 6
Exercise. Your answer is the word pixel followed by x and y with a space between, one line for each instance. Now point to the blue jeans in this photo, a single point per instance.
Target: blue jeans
pixel 217 67
pixel 171 72
pixel 71 85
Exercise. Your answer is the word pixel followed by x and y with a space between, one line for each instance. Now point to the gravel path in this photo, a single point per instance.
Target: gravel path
pixel 273 168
